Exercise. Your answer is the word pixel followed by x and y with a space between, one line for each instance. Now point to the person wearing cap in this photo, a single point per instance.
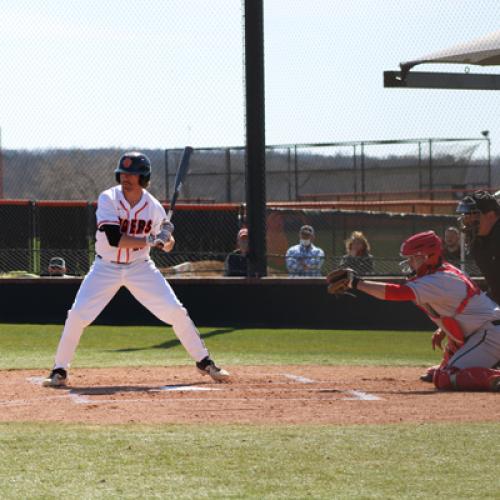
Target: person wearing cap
pixel 358 256
pixel 56 268
pixel 305 259
pixel 480 221
pixel 236 263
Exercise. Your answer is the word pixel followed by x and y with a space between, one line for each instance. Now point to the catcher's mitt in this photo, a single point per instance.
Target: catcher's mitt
pixel 341 280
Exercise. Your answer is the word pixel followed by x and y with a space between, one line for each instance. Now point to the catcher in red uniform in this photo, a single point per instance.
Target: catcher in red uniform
pixel 465 316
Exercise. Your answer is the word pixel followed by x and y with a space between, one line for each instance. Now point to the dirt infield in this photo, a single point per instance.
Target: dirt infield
pixel 256 394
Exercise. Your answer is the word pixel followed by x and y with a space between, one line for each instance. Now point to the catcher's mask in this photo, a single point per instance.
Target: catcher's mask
pixel 428 247
pixel 134 163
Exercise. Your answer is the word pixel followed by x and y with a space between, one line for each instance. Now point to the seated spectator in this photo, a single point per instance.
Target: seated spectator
pixel 451 245
pixel 358 257
pixel 305 259
pixel 56 268
pixel 236 263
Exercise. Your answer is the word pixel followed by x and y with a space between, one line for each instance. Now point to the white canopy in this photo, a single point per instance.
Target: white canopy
pixel 484 51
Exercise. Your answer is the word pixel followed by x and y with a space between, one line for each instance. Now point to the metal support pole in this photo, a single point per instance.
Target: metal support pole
pixel 489 162
pixel 289 166
pixel 255 137
pixel 355 187
pixel 420 187
pixel 431 173
pixel 167 187
pixel 296 172
pixel 228 175
pixel 363 171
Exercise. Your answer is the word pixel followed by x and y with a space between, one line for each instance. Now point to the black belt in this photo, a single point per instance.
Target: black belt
pixel 496 322
pixel 115 261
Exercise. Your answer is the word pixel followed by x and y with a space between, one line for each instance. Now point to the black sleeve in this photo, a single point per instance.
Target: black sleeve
pixel 112 233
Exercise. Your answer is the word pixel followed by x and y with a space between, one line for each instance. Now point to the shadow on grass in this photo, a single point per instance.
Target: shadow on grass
pixel 169 344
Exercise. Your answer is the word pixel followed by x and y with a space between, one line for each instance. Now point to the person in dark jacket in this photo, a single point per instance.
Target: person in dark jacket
pixel 358 257
pixel 236 263
pixel 480 220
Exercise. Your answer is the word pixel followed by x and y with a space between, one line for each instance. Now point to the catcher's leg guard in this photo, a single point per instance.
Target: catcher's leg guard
pixel 468 379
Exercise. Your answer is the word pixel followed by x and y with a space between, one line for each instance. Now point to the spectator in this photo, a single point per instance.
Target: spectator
pixel 56 268
pixel 305 259
pixel 451 247
pixel 236 263
pixel 358 257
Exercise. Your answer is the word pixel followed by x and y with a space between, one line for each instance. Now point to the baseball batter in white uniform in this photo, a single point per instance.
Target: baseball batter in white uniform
pixel 464 314
pixel 129 221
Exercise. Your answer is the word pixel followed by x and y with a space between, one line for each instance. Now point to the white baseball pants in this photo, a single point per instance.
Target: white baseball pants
pixel 482 349
pixel 147 285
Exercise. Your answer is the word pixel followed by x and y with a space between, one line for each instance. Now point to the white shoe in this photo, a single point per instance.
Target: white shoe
pixel 207 367
pixel 57 378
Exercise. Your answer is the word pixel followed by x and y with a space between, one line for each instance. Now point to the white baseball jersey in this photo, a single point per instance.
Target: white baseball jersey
pixel 144 218
pixel 132 268
pixel 441 294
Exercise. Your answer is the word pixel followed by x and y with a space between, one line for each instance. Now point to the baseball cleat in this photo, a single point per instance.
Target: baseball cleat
pixel 207 367
pixel 426 377
pixel 57 378
pixel 495 383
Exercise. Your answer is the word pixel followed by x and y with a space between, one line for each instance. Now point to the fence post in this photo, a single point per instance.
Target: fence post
pixel 35 240
pixel 167 188
pixel 489 162
pixel 296 172
pixel 363 171
pixel 420 169
pixel 289 165
pixel 431 173
pixel 228 175
pixel 90 236
pixel 355 187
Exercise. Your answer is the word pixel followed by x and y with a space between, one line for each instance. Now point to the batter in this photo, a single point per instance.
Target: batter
pixel 129 222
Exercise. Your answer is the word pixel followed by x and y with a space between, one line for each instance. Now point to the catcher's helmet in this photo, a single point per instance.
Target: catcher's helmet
pixel 134 163
pixel 427 244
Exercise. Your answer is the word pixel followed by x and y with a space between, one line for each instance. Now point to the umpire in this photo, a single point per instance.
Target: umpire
pixel 480 220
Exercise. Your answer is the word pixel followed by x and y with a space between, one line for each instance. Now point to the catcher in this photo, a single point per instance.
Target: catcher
pixel 464 314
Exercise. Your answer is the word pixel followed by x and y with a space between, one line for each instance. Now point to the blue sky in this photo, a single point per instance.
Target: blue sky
pixel 165 73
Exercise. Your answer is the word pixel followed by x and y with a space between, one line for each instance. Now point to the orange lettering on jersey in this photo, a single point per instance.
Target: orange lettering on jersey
pixel 133 224
pixel 141 224
pixel 147 229
pixel 123 225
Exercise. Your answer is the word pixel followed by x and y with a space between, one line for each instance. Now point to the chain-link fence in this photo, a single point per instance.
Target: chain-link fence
pixel 36 232
pixel 419 169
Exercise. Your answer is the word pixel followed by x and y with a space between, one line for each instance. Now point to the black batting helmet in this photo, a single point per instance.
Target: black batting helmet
pixel 134 163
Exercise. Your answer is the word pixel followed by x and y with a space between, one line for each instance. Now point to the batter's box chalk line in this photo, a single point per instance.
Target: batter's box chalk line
pixel 355 395
pixel 36 380
pixel 184 388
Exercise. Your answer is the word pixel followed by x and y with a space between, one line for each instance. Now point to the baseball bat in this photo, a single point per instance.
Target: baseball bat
pixel 182 170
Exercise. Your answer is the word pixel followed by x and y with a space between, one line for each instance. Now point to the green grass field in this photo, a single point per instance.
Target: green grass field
pixel 240 461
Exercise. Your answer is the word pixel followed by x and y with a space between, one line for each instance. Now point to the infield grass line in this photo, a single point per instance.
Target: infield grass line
pixel 34 346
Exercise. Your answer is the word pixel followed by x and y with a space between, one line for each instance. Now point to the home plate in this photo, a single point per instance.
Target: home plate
pixel 184 388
